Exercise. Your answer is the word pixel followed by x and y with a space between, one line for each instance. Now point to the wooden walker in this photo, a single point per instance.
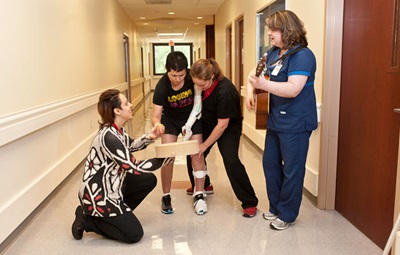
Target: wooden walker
pixel 177 149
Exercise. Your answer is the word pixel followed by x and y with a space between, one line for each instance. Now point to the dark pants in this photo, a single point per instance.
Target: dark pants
pixel 284 161
pixel 125 227
pixel 228 145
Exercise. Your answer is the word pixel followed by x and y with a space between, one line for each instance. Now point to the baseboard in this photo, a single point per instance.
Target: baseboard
pixel 313 199
pixel 311 181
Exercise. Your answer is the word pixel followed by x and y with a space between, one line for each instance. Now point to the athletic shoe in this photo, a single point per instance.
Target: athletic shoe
pixel 200 205
pixel 250 212
pixel 270 216
pixel 78 225
pixel 166 206
pixel 208 190
pixel 279 224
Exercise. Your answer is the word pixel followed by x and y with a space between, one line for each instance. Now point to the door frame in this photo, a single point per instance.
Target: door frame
pixel 228 46
pixel 239 44
pixel 331 103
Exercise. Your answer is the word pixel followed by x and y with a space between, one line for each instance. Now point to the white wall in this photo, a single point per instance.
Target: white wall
pixel 312 13
pixel 56 58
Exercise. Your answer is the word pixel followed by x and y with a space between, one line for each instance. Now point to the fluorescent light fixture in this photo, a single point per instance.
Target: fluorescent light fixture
pixel 170 34
pixel 169 39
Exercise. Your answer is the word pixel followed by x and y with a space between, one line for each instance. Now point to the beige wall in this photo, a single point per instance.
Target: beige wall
pixel 56 58
pixel 198 43
pixel 313 15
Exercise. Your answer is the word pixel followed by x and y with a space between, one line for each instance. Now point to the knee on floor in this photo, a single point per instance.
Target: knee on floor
pixel 134 238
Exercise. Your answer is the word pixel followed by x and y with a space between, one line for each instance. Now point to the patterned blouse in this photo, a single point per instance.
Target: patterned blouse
pixel 109 159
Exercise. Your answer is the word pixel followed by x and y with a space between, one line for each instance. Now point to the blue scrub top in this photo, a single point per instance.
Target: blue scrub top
pixel 299 114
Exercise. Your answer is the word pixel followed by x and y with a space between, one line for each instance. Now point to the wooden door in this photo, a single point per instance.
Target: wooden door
pixel 368 127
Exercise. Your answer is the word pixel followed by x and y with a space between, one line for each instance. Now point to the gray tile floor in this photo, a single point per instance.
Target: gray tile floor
pixel 222 230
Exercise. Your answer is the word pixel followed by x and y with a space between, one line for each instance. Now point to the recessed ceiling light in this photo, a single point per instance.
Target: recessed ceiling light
pixel 196 23
pixel 171 13
pixel 142 18
pixel 199 17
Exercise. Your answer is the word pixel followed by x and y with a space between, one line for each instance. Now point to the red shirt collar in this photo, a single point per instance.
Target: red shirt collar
pixel 208 91
pixel 117 128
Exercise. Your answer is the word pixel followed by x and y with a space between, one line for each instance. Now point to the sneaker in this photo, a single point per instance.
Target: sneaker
pixel 78 225
pixel 250 212
pixel 200 205
pixel 208 190
pixel 279 224
pixel 166 206
pixel 270 216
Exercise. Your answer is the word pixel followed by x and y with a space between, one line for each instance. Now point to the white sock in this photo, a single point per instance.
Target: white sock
pixel 198 192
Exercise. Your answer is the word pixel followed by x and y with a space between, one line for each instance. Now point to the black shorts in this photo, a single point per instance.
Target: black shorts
pixel 174 127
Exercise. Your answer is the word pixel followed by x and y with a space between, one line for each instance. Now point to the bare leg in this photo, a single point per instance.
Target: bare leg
pixel 199 173
pixel 167 170
pixel 198 165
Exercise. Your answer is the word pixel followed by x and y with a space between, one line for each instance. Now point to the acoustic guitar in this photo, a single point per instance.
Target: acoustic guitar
pixel 262 97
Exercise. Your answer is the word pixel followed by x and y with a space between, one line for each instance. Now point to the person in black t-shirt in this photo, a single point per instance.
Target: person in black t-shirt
pixel 222 124
pixel 177 108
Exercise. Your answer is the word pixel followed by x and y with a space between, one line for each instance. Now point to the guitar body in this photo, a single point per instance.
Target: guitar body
pixel 262 98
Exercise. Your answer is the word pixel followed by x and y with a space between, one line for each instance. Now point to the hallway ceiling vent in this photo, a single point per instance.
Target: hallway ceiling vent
pixel 158 1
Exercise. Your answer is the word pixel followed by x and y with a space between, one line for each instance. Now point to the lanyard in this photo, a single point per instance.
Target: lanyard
pixel 285 55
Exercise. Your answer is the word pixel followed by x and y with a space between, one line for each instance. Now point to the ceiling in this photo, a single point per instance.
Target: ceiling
pixel 152 19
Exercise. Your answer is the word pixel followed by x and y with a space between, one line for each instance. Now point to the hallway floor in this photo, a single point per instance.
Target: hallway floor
pixel 222 230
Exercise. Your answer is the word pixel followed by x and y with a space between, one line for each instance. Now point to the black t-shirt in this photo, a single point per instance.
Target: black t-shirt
pixel 223 102
pixel 176 104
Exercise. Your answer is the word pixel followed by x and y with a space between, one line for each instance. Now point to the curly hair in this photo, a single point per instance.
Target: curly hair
pixel 292 28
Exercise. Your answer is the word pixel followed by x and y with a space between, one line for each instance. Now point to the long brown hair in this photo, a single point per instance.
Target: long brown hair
pixel 204 69
pixel 292 28
pixel 108 101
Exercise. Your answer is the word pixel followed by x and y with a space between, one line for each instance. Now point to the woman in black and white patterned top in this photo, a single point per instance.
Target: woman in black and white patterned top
pixel 114 182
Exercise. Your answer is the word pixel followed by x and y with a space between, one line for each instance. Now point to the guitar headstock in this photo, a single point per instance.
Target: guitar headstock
pixel 261 65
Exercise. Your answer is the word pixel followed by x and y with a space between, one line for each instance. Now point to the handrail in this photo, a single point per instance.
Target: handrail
pixel 389 243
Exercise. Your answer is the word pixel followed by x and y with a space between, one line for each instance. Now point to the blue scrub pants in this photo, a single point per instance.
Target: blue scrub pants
pixel 284 161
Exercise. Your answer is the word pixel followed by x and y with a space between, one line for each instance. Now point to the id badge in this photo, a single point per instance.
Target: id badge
pixel 276 70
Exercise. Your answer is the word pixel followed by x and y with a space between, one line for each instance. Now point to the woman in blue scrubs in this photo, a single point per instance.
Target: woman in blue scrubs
pixel 292 115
